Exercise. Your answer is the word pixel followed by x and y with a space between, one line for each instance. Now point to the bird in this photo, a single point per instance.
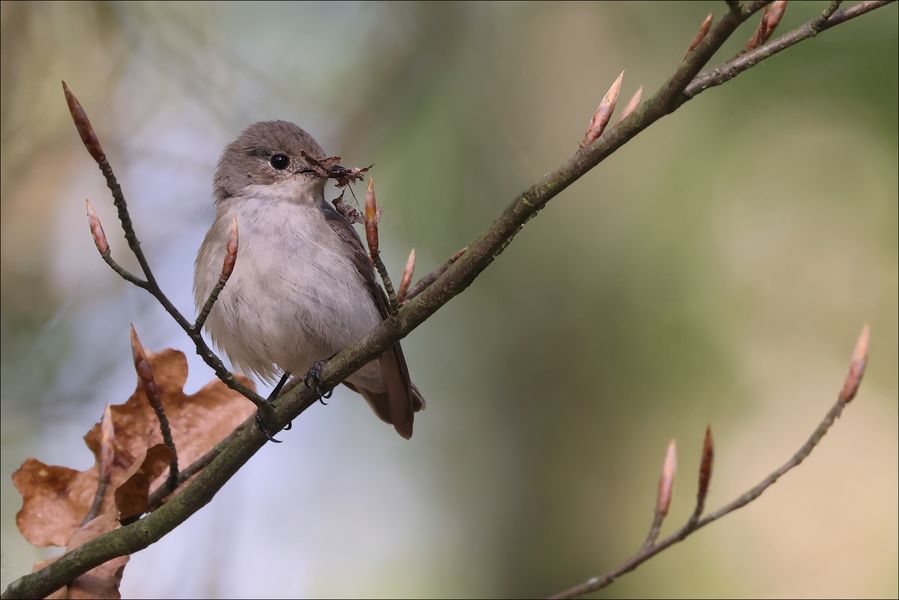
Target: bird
pixel 302 287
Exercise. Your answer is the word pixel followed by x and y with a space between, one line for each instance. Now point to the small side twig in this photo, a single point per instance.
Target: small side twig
pixel 423 283
pixel 104 464
pixel 227 269
pixel 848 391
pixel 162 492
pixel 102 245
pixel 372 218
pixel 147 382
pixel 93 146
pixel 731 68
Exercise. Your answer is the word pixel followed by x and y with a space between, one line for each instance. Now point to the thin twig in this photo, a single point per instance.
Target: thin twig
pixel 147 382
pixel 480 254
pixel 103 248
pixel 227 269
pixel 847 393
pixel 104 464
pixel 162 492
pixel 92 143
pixel 730 69
pixel 372 218
pixel 422 284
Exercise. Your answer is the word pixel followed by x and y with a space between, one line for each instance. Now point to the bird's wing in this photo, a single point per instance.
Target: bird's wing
pixel 398 404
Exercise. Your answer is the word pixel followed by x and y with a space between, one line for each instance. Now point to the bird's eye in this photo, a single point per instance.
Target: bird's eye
pixel 279 161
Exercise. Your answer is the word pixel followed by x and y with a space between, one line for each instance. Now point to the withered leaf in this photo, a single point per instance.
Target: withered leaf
pixel 55 499
pixel 102 581
pixel 131 496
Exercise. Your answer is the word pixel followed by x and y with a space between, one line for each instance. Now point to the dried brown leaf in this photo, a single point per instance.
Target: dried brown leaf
pixel 131 496
pixel 55 499
pixel 100 582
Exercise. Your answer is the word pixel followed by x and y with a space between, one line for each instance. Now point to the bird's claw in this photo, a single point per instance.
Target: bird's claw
pixel 260 423
pixel 313 378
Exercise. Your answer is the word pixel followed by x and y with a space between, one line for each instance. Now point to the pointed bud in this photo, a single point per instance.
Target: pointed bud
pixel 407 276
pixel 758 37
pixel 230 251
pixel 700 35
pixel 141 362
pixel 603 113
pixel 107 452
pixel 705 469
pixel 856 367
pixel 83 125
pixel 96 229
pixel 632 104
pixel 372 217
pixel 773 17
pixel 666 481
pixel 458 254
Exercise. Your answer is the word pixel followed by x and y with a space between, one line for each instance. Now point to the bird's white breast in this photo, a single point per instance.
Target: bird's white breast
pixel 293 298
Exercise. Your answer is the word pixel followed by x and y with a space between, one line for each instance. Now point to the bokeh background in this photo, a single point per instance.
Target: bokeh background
pixel 715 270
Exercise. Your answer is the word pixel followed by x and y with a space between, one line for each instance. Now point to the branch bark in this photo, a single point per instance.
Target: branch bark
pixel 682 86
pixel 651 548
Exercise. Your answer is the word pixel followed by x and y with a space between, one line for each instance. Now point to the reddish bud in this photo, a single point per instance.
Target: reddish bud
pixel 856 367
pixel 83 124
pixel 230 251
pixel 773 16
pixel 666 481
pixel 372 217
pixel 96 229
pixel 603 113
pixel 705 467
pixel 458 254
pixel 107 434
pixel 700 35
pixel 632 104
pixel 141 363
pixel 406 281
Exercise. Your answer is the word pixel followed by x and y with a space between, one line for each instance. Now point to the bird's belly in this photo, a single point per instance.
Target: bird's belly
pixel 292 299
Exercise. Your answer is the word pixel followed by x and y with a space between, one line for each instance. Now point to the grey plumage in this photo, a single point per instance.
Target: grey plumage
pixel 303 287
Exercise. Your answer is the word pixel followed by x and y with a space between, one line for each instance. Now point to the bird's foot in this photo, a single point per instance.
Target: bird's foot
pixel 312 379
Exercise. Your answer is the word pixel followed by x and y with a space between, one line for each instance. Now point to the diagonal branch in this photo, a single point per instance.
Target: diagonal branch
pixel 847 393
pixel 480 253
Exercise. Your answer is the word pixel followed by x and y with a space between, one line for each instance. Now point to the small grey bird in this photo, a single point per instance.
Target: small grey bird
pixel 303 287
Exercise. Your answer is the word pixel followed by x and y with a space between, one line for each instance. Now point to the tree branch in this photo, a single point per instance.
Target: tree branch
pixel 650 549
pixel 481 252
pixel 730 69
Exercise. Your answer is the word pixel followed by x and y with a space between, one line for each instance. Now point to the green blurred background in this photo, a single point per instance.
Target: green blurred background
pixel 715 270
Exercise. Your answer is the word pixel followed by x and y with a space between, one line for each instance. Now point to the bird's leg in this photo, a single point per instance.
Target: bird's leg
pixel 260 418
